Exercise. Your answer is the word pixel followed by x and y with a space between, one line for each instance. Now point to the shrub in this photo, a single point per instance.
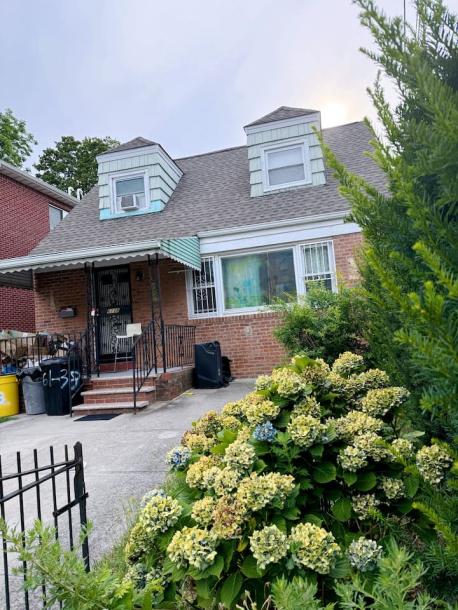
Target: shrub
pixel 322 324
pixel 286 483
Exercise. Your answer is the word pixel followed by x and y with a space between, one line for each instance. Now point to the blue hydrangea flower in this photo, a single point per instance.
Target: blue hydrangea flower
pixel 151 494
pixel 265 432
pixel 178 457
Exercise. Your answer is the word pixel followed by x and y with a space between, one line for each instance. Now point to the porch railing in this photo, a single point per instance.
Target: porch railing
pixel 144 358
pixel 179 345
pixel 169 345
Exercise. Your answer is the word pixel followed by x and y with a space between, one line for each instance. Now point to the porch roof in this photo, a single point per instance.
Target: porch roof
pixel 185 250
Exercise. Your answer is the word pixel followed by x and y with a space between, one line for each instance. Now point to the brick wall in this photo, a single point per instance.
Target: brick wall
pixel 25 221
pixel 60 289
pixel 246 339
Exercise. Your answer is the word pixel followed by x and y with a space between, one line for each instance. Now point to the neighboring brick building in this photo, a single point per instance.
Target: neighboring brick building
pixel 28 208
pixel 216 236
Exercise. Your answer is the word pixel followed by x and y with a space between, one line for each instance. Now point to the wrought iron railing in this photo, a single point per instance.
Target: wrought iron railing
pixel 144 358
pixel 179 345
pixel 160 345
pixel 58 487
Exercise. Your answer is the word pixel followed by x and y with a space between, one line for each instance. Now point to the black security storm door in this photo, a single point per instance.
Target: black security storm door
pixel 114 307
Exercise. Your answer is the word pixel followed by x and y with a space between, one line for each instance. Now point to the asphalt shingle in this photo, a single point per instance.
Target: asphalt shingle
pixel 282 112
pixel 214 193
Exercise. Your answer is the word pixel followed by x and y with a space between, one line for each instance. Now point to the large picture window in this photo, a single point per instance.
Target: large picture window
pixel 203 289
pixel 254 280
pixel 318 264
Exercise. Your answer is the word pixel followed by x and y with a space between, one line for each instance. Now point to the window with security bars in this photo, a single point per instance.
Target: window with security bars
pixel 318 264
pixel 203 288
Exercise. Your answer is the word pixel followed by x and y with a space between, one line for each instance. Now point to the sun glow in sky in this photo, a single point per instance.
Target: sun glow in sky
pixel 333 113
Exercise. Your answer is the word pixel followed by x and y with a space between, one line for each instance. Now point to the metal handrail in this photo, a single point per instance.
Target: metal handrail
pixel 144 358
pixel 179 345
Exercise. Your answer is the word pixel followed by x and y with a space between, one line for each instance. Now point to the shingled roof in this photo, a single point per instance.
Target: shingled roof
pixel 214 193
pixel 282 112
pixel 135 143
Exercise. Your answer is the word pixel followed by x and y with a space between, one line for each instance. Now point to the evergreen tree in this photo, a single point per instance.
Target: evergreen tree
pixel 410 262
pixel 409 265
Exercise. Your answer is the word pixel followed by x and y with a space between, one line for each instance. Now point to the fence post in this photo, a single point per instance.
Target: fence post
pixel 80 495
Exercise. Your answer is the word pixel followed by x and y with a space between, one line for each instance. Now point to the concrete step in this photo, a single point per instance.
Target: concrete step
pixel 115 394
pixel 109 407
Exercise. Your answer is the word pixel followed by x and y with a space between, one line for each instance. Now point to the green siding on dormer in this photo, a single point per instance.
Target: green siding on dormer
pixel 302 129
pixel 162 177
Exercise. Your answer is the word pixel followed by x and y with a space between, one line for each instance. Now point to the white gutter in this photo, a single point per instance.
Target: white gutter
pixel 305 220
pixel 36 183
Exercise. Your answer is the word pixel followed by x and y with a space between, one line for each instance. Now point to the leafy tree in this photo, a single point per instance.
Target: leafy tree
pixel 410 262
pixel 72 162
pixel 15 141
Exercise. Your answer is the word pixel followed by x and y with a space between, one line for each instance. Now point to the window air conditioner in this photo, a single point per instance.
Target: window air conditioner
pixel 128 202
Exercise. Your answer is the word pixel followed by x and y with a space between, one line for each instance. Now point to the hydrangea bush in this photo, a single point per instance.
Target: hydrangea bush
pixel 303 477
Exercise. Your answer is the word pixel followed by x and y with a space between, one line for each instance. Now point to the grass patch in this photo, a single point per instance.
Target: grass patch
pixel 5 418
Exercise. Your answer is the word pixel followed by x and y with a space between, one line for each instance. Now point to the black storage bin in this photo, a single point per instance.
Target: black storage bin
pixel 55 384
pixel 208 373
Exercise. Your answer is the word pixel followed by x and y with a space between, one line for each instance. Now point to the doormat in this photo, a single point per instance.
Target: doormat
pixel 100 417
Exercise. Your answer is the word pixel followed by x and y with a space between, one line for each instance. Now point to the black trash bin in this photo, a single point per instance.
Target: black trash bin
pixel 55 385
pixel 208 372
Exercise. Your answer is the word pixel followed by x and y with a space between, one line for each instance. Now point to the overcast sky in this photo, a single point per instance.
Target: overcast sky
pixel 186 73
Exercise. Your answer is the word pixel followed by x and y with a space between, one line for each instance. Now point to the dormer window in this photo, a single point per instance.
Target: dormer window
pixel 286 166
pixel 129 193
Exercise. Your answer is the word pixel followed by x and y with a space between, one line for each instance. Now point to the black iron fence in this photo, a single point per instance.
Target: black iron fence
pixel 179 345
pixel 25 495
pixel 160 345
pixel 28 351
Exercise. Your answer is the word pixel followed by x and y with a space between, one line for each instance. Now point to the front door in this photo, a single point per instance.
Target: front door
pixel 114 307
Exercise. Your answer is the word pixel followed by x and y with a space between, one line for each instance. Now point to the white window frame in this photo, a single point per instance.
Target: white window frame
pixel 302 144
pixel 125 176
pixel 332 263
pixel 63 214
pixel 257 308
pixel 190 288
pixel 299 273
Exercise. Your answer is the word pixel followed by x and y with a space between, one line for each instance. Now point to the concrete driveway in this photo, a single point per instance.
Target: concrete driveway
pixel 124 456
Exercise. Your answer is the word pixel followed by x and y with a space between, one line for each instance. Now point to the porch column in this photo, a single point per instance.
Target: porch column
pixel 91 316
pixel 156 311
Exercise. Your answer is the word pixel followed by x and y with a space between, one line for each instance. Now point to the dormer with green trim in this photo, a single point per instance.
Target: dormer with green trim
pixel 284 151
pixel 135 178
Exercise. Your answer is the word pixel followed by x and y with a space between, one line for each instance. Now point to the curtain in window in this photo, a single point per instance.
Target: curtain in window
pixel 257 279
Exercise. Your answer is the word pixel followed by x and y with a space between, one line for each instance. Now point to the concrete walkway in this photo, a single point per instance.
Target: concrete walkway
pixel 124 456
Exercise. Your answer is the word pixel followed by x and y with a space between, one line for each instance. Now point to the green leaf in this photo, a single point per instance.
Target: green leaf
pixel 342 509
pixel 203 588
pixel 350 478
pixel 411 485
pixel 227 550
pixel 311 518
pixel 341 568
pixel 317 450
pixel 216 568
pixel 324 473
pixel 366 481
pixel 405 506
pixel 280 522
pixel 292 514
pixel 147 601
pixel 231 589
pixel 249 568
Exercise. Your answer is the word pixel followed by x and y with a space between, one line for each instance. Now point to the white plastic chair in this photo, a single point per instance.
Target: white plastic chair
pixel 132 330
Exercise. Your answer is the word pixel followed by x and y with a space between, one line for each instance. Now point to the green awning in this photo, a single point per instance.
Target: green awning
pixel 185 250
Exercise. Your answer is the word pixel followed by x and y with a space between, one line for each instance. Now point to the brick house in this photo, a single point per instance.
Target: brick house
pixel 206 241
pixel 30 210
